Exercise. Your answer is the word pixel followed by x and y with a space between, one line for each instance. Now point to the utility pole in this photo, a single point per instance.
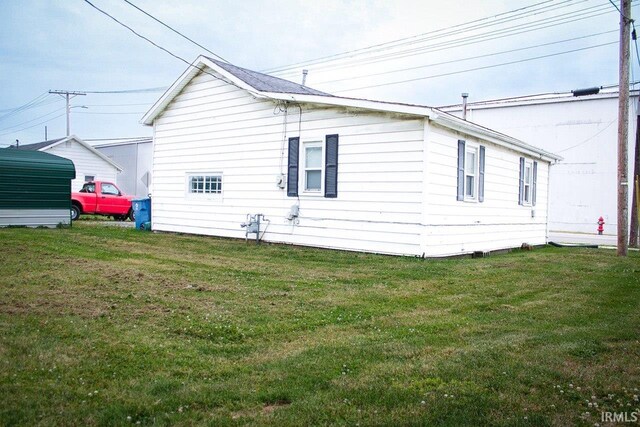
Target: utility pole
pixel 623 130
pixel 67 95
pixel 633 232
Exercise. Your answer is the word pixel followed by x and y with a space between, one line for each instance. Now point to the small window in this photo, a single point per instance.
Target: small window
pixel 313 166
pixel 89 178
pixel 110 189
pixel 528 179
pixel 470 173
pixel 205 184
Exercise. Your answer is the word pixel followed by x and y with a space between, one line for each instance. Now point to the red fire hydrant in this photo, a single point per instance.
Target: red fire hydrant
pixel 600 225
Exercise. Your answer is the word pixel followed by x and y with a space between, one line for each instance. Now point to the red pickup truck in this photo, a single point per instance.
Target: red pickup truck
pixel 101 198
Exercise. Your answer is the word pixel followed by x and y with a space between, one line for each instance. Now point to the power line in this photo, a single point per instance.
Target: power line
pixel 568 17
pixel 466 40
pixel 161 48
pixel 136 33
pixel 478 68
pixel 616 6
pixel 467 58
pixel 110 112
pixel 32 126
pixel 143 90
pixel 620 12
pixel 115 105
pixel 175 31
pixel 588 139
pixel 397 41
pixel 32 120
pixel 463 41
pixel 31 104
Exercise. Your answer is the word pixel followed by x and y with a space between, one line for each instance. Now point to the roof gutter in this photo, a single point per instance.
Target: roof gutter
pixel 351 102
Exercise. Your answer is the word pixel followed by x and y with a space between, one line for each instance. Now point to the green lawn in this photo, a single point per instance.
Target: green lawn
pixel 111 326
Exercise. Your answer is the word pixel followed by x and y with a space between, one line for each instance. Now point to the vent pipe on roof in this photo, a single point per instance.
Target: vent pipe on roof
pixel 304 76
pixel 17 143
pixel 464 105
pixel 587 91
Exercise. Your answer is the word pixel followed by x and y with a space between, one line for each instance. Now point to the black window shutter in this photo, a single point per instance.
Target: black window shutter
pixel 521 191
pixel 292 171
pixel 481 176
pixel 534 184
pixel 460 169
pixel 331 167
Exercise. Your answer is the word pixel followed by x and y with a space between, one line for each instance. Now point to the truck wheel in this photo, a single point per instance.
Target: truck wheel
pixel 131 215
pixel 75 212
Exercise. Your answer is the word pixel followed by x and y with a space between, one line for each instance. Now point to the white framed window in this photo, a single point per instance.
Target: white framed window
pixel 204 184
pixel 471 173
pixel 313 167
pixel 528 180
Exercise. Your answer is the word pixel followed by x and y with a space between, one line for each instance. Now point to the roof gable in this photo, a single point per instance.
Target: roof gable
pixel 268 87
pixel 47 145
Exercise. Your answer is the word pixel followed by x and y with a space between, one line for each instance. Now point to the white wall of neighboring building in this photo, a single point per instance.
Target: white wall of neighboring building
pixel 396 177
pixel 583 130
pixel 136 160
pixel 87 163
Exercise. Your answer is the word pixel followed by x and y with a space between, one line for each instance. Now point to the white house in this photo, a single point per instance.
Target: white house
pixel 582 129
pixel 135 156
pixel 90 163
pixel 337 172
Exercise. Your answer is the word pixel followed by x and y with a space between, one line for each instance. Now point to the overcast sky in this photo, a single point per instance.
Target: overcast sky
pixel 68 45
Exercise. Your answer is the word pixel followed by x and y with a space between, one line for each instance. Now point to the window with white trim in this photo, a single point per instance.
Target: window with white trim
pixel 528 179
pixel 313 166
pixel 471 173
pixel 204 184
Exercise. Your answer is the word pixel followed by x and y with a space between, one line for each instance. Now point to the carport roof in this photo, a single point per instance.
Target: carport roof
pixel 36 161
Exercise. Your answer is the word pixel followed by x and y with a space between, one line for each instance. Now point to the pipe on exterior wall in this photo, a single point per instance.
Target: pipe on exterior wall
pixel 464 105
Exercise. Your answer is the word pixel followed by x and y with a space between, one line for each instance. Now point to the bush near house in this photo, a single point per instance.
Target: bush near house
pixel 109 326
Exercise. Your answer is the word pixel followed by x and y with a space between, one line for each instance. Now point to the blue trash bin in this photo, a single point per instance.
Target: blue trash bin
pixel 142 213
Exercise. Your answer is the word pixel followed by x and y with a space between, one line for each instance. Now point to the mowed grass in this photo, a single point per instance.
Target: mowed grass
pixel 110 326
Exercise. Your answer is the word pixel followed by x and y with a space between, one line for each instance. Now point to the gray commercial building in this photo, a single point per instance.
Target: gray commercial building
pixel 135 158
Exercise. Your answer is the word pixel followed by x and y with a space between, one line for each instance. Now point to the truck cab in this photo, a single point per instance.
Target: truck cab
pixel 101 198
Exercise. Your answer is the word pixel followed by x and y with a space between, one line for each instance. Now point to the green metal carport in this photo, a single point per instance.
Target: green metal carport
pixel 35 188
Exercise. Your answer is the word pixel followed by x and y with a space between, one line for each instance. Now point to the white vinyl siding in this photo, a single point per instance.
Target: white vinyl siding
pixel 396 177
pixel 497 223
pixel 34 217
pixel 86 163
pixel 215 126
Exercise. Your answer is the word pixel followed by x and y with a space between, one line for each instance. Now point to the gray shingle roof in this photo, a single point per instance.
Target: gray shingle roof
pixel 267 83
pixel 37 145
